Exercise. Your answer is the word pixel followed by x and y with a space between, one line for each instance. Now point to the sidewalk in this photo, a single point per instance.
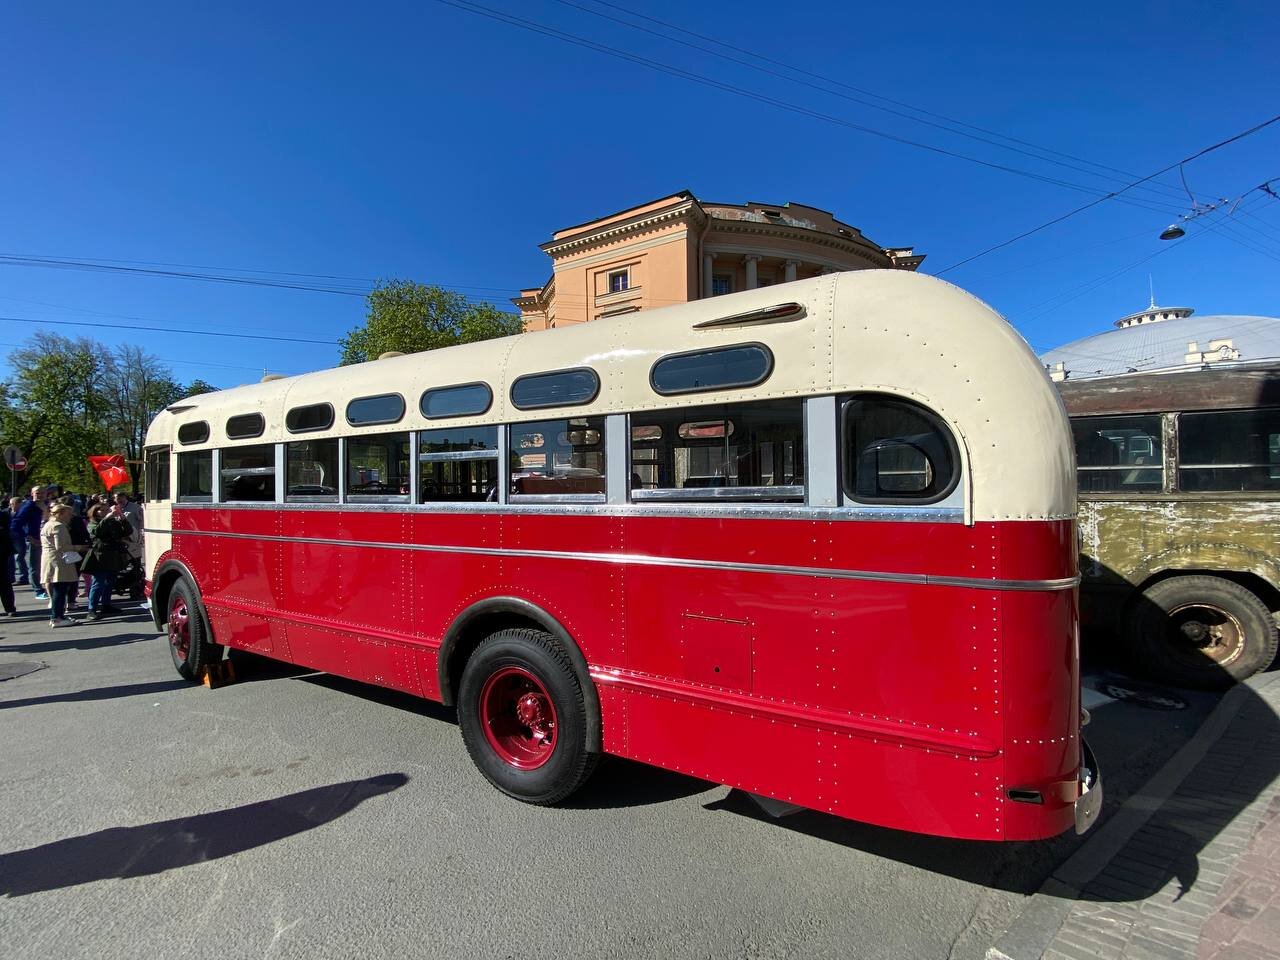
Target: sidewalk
pixel 1189 867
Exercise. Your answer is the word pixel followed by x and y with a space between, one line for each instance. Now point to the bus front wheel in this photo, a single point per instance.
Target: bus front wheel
pixel 524 718
pixel 190 643
pixel 1201 631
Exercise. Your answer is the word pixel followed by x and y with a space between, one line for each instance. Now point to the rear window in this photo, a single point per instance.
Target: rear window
pixel 896 452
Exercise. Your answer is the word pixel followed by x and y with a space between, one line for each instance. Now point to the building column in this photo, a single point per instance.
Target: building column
pixel 750 261
pixel 789 271
pixel 707 266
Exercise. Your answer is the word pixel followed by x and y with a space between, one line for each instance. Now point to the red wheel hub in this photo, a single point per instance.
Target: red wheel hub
pixel 180 628
pixel 519 718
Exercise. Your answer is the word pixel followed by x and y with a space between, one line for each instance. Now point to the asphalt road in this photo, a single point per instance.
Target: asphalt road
pixel 299 815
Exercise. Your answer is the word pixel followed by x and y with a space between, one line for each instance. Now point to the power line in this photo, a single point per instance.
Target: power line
pixel 195 333
pixel 756 55
pixel 1093 203
pixel 1161 191
pixel 681 73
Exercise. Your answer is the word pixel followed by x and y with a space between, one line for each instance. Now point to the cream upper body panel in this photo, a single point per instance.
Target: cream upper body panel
pixel 887 331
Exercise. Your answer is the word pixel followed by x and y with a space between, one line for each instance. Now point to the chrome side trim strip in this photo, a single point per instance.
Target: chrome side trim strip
pixel 534 504
pixel 635 559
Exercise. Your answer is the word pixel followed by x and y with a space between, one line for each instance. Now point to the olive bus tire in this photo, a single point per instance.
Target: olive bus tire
pixel 1166 626
pixel 570 762
pixel 200 649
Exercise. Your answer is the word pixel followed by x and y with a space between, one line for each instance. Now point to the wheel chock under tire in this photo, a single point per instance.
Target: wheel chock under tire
pixel 214 675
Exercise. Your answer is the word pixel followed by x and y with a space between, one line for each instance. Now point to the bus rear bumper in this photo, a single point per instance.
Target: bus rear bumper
pixel 1089 803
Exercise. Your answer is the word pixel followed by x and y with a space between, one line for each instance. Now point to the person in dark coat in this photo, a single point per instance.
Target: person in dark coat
pixel 109 534
pixel 17 539
pixel 6 574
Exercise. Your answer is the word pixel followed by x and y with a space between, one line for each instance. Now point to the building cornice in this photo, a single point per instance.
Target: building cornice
pixel 861 248
pixel 687 209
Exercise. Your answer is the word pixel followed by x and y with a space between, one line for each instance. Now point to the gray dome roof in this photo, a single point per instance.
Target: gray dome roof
pixel 1164 344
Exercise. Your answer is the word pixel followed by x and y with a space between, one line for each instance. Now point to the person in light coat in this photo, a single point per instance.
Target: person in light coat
pixel 58 563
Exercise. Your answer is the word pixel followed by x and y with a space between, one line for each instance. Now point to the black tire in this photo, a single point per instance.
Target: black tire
pixel 1200 631
pixel 200 648
pixel 569 763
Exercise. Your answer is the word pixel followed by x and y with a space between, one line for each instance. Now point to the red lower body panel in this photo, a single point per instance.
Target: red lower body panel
pixel 771 655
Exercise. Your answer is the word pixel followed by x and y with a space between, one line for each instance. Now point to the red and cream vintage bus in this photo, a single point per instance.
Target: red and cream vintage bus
pixel 793 540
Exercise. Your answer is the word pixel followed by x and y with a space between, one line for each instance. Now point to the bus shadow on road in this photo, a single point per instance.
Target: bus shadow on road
pixel 100 693
pixel 120 853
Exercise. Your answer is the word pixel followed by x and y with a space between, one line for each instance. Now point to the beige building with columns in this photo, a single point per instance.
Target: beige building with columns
pixel 679 248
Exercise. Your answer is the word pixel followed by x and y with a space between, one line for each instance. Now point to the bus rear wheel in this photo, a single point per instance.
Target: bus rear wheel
pixel 1201 631
pixel 523 716
pixel 190 644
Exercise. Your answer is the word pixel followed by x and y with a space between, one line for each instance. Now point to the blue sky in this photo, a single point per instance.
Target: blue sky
pixel 418 140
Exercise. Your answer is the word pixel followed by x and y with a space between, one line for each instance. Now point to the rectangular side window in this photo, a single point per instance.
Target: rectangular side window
pixel 1235 450
pixel 312 469
pixel 734 451
pixel 157 475
pixel 558 458
pixel 1119 454
pixel 249 474
pixel 458 465
pixel 378 468
pixel 195 475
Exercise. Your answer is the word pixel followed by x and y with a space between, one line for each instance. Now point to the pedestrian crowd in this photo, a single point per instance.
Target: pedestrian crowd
pixel 66 546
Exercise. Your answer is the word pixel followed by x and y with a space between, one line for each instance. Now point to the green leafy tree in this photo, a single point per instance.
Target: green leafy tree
pixel 197 387
pixel 137 386
pixel 56 409
pixel 411 317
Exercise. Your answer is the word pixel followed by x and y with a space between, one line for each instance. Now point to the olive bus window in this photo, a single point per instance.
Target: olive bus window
pixel 245 426
pixel 1232 450
pixel 157 476
pixel 464 400
pixel 195 475
pixel 564 388
pixel 896 451
pixel 702 370
pixel 384 408
pixel 197 432
pixel 1119 454
pixel 249 474
pixel 378 467
pixel 458 465
pixel 558 457
pixel 314 416
pixel 731 451
pixel 311 467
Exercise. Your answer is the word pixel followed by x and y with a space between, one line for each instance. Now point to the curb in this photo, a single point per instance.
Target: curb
pixel 1032 930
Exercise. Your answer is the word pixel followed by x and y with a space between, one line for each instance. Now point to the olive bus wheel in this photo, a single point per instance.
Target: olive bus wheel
pixel 190 643
pixel 523 716
pixel 1201 631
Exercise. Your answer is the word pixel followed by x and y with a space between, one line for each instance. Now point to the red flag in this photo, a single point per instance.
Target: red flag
pixel 111 469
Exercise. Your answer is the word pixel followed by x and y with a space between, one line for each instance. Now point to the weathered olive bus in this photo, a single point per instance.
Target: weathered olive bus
pixel 1179 513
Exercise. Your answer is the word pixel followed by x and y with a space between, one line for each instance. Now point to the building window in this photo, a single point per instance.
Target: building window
pixel 312 468
pixel 896 451
pixel 619 280
pixel 744 451
pixel 721 284
pixel 1118 454
pixel 458 465
pixel 249 474
pixel 558 457
pixel 1232 450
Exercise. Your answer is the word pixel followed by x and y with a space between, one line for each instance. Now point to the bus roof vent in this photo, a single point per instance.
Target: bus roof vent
pixel 779 313
pixel 268 377
pixel 390 353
